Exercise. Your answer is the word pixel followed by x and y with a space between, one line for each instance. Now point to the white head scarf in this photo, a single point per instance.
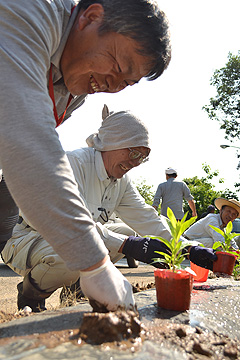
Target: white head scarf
pixel 119 130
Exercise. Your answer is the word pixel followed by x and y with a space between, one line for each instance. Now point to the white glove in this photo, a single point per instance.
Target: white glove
pixel 107 286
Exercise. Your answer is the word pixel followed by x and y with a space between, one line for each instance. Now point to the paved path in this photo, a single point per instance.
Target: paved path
pixel 214 310
pixel 9 280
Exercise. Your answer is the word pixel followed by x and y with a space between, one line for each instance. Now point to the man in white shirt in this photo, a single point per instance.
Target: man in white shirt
pixel 100 171
pixel 229 210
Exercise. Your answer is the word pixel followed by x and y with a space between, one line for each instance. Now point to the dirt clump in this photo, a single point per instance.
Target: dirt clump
pixel 98 328
pixel 6 317
pixel 142 287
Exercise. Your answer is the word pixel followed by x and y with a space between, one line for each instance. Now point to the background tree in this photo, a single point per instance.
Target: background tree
pixel 202 189
pixel 225 106
pixel 146 191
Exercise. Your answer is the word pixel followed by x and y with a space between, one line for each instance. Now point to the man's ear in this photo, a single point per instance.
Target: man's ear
pixel 94 13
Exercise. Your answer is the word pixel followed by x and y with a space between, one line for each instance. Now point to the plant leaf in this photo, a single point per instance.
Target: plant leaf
pixel 217 230
pixel 217 244
pixel 229 227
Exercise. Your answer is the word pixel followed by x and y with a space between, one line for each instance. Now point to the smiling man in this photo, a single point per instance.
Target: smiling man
pixel 229 210
pixel 52 54
pixel 101 174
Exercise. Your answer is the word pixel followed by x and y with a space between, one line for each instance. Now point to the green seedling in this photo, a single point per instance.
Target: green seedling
pixel 228 236
pixel 175 257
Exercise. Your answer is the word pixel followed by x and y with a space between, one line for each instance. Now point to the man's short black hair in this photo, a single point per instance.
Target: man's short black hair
pixel 142 21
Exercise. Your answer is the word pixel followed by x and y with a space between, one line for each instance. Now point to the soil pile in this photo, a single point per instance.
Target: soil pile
pixel 195 343
pixel 98 328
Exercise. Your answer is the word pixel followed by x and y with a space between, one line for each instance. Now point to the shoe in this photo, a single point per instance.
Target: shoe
pixel 34 304
pixel 132 263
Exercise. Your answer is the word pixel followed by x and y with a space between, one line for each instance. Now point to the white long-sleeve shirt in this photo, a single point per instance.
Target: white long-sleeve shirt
pixel 117 196
pixel 114 195
pixel 201 229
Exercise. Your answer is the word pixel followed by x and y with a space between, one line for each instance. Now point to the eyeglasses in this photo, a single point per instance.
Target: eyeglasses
pixel 135 154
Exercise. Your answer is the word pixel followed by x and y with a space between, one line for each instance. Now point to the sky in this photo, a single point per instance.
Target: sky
pixel 181 134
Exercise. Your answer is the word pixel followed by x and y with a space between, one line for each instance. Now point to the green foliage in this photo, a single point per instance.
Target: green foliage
pixel 228 236
pixel 145 191
pixel 203 190
pixel 236 272
pixel 175 257
pixel 225 106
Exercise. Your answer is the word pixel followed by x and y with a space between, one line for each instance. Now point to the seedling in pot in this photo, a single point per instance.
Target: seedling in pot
pixel 228 236
pixel 174 285
pixel 226 254
pixel 175 256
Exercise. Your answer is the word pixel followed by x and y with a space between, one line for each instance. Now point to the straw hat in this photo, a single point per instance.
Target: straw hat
pixel 219 202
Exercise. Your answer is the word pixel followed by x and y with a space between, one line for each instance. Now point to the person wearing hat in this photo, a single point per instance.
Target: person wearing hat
pixel 100 171
pixel 229 210
pixel 171 194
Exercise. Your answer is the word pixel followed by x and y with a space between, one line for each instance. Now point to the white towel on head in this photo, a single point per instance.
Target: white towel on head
pixel 119 130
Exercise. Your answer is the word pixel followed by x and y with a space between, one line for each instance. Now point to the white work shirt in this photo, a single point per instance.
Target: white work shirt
pixel 114 195
pixel 201 229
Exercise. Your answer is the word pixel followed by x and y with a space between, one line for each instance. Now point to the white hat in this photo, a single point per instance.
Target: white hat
pixel 170 171
pixel 219 202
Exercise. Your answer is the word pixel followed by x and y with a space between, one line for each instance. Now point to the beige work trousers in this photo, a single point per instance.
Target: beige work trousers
pixel 27 252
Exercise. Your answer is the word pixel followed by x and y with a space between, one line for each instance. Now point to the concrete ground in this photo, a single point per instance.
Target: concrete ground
pixel 9 280
pixel 208 330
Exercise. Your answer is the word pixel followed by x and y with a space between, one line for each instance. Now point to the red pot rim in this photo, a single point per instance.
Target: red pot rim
pixel 225 253
pixel 166 273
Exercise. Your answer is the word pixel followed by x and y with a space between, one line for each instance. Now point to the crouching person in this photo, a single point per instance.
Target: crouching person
pixel 229 210
pixel 101 173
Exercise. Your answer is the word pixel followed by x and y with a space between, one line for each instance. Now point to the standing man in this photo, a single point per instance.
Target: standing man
pixel 172 192
pixel 52 54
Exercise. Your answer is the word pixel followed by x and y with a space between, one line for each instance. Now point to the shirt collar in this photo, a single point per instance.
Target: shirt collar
pixel 68 21
pixel 100 168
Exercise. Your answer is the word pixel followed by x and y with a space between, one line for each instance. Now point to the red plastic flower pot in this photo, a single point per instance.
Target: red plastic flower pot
pixel 173 289
pixel 201 273
pixel 225 262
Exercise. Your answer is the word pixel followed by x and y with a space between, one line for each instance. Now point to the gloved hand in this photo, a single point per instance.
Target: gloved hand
pixel 107 286
pixel 143 249
pixel 203 257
